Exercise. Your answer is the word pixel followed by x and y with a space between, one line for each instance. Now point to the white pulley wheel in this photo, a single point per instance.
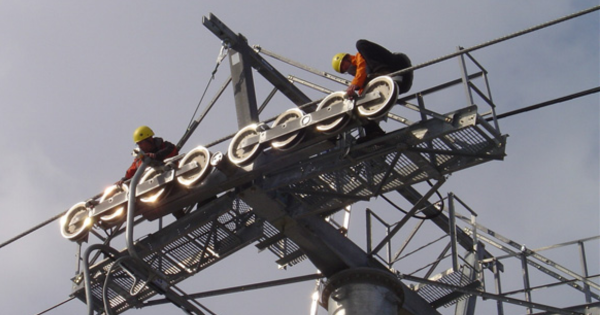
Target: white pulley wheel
pixel 239 153
pixel 156 194
pixel 289 140
pixel 336 123
pixel 76 223
pixel 117 213
pixel 379 107
pixel 200 155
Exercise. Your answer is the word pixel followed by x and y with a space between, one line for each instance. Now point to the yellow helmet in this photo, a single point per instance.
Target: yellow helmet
pixel 142 133
pixel 336 63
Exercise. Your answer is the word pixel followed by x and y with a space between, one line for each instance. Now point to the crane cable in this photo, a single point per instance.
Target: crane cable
pixel 56 305
pixel 33 229
pixel 547 103
pixel 496 41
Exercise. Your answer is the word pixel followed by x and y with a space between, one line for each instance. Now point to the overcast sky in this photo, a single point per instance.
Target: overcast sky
pixel 77 77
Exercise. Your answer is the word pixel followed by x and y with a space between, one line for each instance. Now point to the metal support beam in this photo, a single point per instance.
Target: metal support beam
pixel 328 249
pixel 526 285
pixel 533 253
pixel 441 220
pixel 465 80
pixel 417 206
pixel 242 288
pixel 584 269
pixel 242 59
pixel 243 87
pixel 498 286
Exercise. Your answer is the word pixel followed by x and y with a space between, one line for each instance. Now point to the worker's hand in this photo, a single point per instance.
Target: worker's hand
pixel 151 155
pixel 351 91
pixel 119 183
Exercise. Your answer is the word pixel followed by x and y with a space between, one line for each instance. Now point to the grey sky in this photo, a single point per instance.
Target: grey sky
pixel 77 77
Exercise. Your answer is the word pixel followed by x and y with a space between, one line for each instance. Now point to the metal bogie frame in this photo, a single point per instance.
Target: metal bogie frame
pixel 284 196
pixel 338 109
pixel 107 210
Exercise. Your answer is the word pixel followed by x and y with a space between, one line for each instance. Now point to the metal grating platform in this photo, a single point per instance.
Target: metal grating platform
pixel 437 294
pixel 339 177
pixel 176 252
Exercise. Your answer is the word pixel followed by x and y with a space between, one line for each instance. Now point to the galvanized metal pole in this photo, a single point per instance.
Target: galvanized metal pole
pixel 363 291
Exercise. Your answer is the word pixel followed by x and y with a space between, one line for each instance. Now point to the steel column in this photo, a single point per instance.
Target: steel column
pixel 364 291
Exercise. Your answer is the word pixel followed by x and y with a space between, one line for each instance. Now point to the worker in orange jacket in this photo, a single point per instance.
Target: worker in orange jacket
pixel 369 62
pixel 153 147
pixel 372 61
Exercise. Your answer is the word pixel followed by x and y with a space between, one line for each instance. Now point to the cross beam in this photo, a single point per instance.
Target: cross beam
pixel 242 59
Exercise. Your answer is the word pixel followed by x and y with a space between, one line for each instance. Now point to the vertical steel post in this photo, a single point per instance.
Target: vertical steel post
pixel 474 234
pixel 584 269
pixel 452 230
pixel 389 262
pixel 467 306
pixel 493 106
pixel 78 259
pixel 526 284
pixel 498 285
pixel 369 227
pixel 465 77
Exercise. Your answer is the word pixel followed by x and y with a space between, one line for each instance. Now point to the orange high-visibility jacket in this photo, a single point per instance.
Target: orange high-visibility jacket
pixel 163 150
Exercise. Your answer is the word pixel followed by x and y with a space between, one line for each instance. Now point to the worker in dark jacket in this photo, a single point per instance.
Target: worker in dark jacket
pixel 153 147
pixel 372 61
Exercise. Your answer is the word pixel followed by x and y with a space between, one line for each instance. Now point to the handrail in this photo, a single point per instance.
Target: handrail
pixel 131 208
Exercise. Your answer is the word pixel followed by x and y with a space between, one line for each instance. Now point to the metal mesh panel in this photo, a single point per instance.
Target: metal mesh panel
pixel 283 248
pixel 405 170
pixel 360 180
pixel 470 139
pixel 432 293
pixel 463 146
pixel 437 144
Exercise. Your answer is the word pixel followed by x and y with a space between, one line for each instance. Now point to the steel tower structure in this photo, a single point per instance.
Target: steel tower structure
pixel 284 188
